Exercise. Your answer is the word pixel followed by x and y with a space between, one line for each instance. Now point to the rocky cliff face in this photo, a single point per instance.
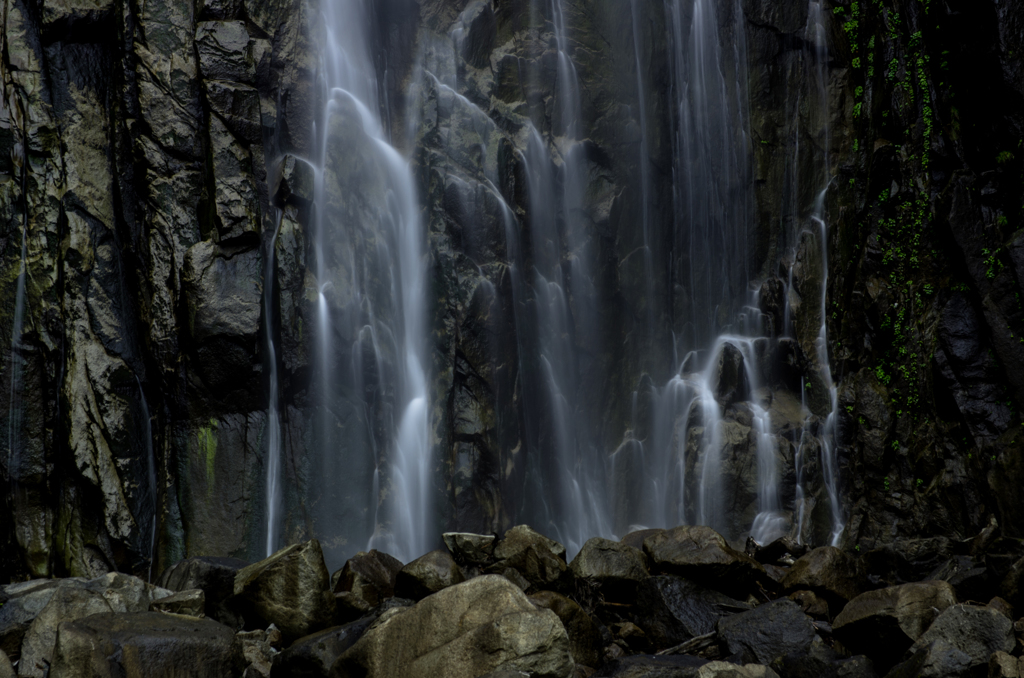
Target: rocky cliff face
pixel 149 155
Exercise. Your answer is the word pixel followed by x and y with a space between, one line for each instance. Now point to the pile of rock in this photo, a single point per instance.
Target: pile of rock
pixel 658 604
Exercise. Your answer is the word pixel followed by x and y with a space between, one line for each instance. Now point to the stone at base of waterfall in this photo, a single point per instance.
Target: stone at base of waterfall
pixel 191 603
pixel 145 645
pixel 727 670
pixel 584 634
pixel 702 555
pixel 370 576
pixel 6 669
pixel 673 610
pixel 427 574
pixel 960 642
pixel 470 549
pixel 653 666
pixel 768 632
pixel 1005 665
pixel 883 624
pixel 637 537
pixel 829 572
pixel 258 650
pixel 315 654
pixel 484 624
pixel 74 599
pixel 541 561
pixel 290 589
pixel 614 566
pixel 216 578
pixel 22 603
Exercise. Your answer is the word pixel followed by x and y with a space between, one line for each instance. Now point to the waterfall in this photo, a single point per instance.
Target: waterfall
pixel 273 463
pixel 369 265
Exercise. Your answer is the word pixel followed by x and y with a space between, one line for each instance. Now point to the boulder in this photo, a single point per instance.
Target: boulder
pixel 313 656
pixel 349 607
pixel 782 551
pixel 126 593
pixel 637 537
pixel 812 604
pixel 145 645
pixel 653 666
pixel 6 669
pixel 615 567
pixel 295 182
pixel 427 574
pixel 702 555
pixel 541 561
pixel 484 624
pixel 963 638
pixel 584 634
pixel 727 670
pixel 258 650
pixel 672 610
pixel 1000 665
pixel 23 602
pixel 470 549
pixel 827 571
pixel 971 579
pixel 290 589
pixel 191 603
pixel 67 604
pixel 216 578
pixel 370 576
pixel 883 624
pixel 768 632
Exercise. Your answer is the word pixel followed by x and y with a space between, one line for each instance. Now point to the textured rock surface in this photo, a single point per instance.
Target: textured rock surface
pixel 702 554
pixel 768 632
pixel 466 630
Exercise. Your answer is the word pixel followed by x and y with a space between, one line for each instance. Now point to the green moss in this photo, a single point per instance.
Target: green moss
pixel 207 438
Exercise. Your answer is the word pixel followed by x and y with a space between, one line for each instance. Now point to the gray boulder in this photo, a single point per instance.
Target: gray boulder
pixel 191 603
pixel 6 669
pixel 470 549
pixel 369 576
pixel 1004 665
pixel 883 624
pixel 484 624
pixel 313 656
pixel 584 634
pixel 145 645
pixel 541 561
pixel 768 632
pixel 290 589
pixel 614 566
pixel 215 577
pixel 672 610
pixel 827 571
pixel 428 574
pixel 23 602
pixel 653 666
pixel 727 670
pixel 702 555
pixel 962 639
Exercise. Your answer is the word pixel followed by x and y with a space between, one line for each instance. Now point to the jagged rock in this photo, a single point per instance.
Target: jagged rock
pixel 236 198
pixel 782 551
pixel 672 610
pixel 1001 606
pixel 427 574
pixel 727 670
pixel 907 560
pixel 883 624
pixel 6 669
pixel 614 566
pixel 1004 665
pixel 962 638
pixel 313 656
pixel 369 576
pixel 771 301
pixel 295 182
pixel 541 561
pixel 221 9
pixel 812 605
pixel 215 577
pixel 258 650
pixel 828 572
pixel 637 537
pixel 584 634
pixel 470 549
pixel 290 589
pixel 768 632
pixel 67 605
pixel 238 106
pixel 971 579
pixel 730 382
pixel 223 291
pixel 225 52
pixel 652 666
pixel 701 554
pixel 466 630
pixel 145 644
pixel 349 607
pixel 23 602
pixel 191 603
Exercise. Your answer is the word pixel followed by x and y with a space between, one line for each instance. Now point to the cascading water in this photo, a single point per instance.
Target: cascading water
pixel 369 265
pixel 273 463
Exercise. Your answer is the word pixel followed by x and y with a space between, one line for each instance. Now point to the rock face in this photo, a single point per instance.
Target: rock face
pixel 291 589
pixel 482 625
pixel 145 644
pixel 883 624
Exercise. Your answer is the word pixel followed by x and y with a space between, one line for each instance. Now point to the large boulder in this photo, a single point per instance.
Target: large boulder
pixel 883 624
pixel 653 666
pixel 427 574
pixel 466 630
pixel 727 670
pixel 145 645
pixel 768 632
pixel 370 576
pixel 470 549
pixel 191 603
pixel 22 603
pixel 313 656
pixel 827 571
pixel 539 560
pixel 290 589
pixel 215 577
pixel 702 555
pixel 961 640
pixel 6 668
pixel 584 634
pixel 614 566
pixel 672 610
